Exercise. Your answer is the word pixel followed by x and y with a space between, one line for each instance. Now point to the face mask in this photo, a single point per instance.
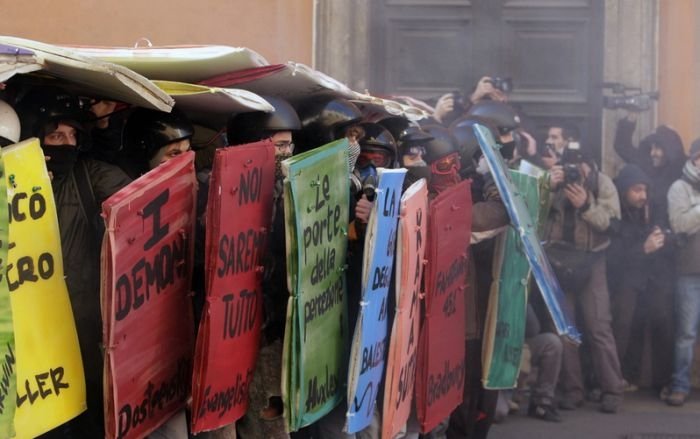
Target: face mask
pixel 62 159
pixel 278 164
pixel 415 173
pixel 440 182
pixel 353 154
pixel 367 171
pixel 507 149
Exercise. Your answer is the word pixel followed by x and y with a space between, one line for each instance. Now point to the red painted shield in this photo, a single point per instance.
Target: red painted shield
pixel 147 314
pixel 238 216
pixel 441 349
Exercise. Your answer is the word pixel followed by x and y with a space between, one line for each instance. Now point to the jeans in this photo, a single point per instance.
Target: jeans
pixel 687 321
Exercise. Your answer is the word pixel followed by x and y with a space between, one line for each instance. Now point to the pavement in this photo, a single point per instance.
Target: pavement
pixel 641 416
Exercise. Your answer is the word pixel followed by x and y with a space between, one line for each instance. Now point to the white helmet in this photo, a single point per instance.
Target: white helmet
pixel 9 123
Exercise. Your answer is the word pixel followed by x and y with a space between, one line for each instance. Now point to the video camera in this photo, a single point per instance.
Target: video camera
pixel 629 98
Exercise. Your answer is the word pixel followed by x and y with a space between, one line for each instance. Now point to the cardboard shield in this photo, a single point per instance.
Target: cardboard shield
pixel 8 380
pixel 527 230
pixel 504 329
pixel 402 359
pixel 50 380
pixel 147 311
pixel 238 219
pixel 317 191
pixel 370 339
pixel 441 350
pixel 92 77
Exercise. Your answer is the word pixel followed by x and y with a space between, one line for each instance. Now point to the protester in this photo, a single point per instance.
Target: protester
pixel 9 125
pixel 264 416
pixel 80 185
pixel 151 139
pixel 377 150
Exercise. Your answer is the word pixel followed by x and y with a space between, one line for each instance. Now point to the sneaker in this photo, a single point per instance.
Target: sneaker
pixel 665 393
pixel 676 399
pixel 610 403
pixel 543 412
pixel 570 403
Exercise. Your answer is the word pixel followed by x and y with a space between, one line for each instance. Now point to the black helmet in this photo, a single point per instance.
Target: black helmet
pixel 395 125
pixel 378 139
pixel 251 127
pixel 462 130
pixel 324 118
pixel 41 108
pixel 442 144
pixel 147 131
pixel 404 131
pixel 497 114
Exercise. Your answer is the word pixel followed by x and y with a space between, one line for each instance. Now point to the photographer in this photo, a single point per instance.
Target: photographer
pixel 451 106
pixel 660 155
pixel 641 294
pixel 558 138
pixel 584 201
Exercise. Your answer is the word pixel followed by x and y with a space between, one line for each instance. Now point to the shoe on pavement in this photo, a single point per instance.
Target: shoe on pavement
pixel 543 412
pixel 676 399
pixel 665 393
pixel 610 403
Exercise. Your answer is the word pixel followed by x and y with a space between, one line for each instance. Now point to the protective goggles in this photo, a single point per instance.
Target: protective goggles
pixel 377 159
pixel 446 165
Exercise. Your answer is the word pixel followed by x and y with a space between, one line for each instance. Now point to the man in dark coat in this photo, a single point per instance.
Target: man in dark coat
pixel 80 185
pixel 640 291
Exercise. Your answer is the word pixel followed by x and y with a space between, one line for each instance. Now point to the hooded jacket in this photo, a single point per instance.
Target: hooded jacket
pixel 627 262
pixel 661 177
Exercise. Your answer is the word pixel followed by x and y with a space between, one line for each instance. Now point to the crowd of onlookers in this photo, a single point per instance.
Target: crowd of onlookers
pixel 624 249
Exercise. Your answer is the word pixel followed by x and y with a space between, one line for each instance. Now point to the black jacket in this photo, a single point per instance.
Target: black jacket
pixel 661 177
pixel 80 244
pixel 627 262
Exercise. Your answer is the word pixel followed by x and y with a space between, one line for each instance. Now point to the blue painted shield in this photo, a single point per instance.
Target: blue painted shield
pixel 520 219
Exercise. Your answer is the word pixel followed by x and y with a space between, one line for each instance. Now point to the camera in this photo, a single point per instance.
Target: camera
pixel 572 174
pixel 628 98
pixel 460 103
pixel 503 84
pixel 570 159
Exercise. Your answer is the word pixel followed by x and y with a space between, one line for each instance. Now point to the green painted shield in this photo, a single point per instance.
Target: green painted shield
pixel 316 338
pixel 504 331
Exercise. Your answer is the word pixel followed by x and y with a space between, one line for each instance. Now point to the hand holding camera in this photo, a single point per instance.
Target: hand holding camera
pixel 655 240
pixel 444 106
pixel 493 88
pixel 576 194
